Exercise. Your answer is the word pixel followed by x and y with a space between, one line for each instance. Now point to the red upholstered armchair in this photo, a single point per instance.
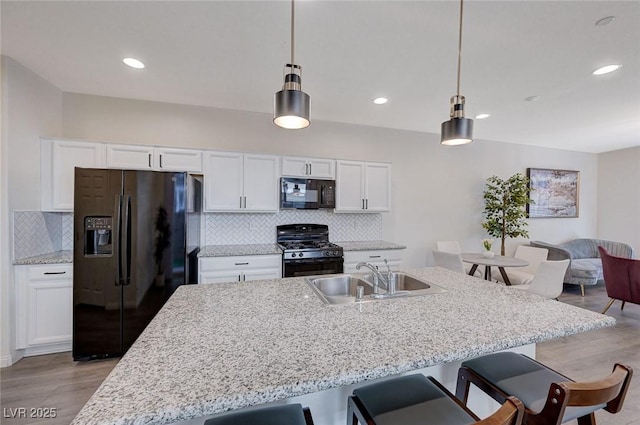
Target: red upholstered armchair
pixel 621 278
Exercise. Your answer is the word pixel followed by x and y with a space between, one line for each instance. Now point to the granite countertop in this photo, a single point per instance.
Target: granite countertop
pixel 58 257
pixel 231 250
pixel 218 347
pixel 368 245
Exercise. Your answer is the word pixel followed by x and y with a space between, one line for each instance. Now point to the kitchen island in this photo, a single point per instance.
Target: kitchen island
pixel 218 347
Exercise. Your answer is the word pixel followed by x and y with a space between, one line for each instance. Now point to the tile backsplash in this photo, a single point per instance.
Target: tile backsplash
pixel 229 229
pixel 36 233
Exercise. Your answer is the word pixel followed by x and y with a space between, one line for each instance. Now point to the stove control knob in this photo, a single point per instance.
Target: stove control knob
pixel 326 253
pixel 293 254
pixel 300 255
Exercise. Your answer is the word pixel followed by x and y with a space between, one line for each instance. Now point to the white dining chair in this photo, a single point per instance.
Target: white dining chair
pixel 525 275
pixel 548 280
pixel 448 246
pixel 448 260
pixel 454 248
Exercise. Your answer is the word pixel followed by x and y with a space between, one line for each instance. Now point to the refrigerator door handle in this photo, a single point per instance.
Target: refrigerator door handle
pixel 118 215
pixel 127 236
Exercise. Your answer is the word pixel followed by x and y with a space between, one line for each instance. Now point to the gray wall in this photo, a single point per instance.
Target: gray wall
pixel 437 190
pixel 30 107
pixel 619 196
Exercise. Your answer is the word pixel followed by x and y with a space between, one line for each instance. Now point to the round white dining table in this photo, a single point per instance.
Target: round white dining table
pixel 499 261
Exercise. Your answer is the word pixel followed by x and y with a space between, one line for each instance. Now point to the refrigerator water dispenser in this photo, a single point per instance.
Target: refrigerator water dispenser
pixel 97 236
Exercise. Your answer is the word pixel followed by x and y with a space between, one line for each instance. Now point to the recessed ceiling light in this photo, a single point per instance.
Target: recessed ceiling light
pixel 380 100
pixel 605 21
pixel 606 69
pixel 531 98
pixel 482 116
pixel 133 63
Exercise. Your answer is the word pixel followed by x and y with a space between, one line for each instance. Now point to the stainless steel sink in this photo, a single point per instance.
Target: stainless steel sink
pixel 341 289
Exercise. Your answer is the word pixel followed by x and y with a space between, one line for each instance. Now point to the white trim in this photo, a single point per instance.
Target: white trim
pixel 8 360
pixel 48 349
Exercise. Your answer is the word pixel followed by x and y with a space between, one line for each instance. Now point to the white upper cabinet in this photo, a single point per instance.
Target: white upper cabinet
pixel 318 168
pixel 236 182
pixel 134 157
pixel 58 158
pixel 363 186
pixel 377 186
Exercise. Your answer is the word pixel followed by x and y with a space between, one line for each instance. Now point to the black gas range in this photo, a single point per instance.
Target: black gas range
pixel 307 250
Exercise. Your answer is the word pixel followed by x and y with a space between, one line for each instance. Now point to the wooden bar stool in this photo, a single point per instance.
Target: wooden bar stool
pixel 287 414
pixel 418 400
pixel 549 397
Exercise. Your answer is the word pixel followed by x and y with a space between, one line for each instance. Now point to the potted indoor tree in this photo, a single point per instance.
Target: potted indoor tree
pixel 505 203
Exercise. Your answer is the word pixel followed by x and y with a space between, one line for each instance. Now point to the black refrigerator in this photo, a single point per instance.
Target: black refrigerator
pixel 136 238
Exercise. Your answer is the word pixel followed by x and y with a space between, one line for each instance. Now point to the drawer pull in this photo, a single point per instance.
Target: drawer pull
pixel 55 272
pixel 241 264
pixel 375 256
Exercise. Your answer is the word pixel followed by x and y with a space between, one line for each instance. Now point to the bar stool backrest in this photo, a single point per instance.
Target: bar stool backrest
pixel 510 413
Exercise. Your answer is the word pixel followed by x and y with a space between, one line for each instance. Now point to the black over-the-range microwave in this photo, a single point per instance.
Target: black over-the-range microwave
pixel 309 194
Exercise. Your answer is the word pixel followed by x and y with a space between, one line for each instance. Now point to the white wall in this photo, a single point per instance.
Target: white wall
pixel 437 190
pixel 30 107
pixel 619 196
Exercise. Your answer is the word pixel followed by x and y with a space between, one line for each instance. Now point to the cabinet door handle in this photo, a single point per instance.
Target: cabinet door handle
pixel 239 278
pixel 310 169
pixel 366 201
pixel 149 160
pixel 363 204
pixel 55 272
pixel 161 161
pixel 245 201
pixel 241 202
pixel 241 264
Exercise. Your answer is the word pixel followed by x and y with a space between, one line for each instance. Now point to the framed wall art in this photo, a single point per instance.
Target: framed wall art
pixel 554 193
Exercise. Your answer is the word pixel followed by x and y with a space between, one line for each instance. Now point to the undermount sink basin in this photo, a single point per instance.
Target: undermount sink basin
pixel 341 289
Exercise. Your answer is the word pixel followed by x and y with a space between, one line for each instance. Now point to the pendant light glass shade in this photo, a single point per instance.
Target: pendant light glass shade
pixel 291 104
pixel 458 130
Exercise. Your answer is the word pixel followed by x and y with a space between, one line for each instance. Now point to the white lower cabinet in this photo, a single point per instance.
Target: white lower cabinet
pixel 239 268
pixel 44 308
pixel 375 258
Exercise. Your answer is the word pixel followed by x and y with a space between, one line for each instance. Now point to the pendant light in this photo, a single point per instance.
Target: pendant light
pixel 458 130
pixel 291 104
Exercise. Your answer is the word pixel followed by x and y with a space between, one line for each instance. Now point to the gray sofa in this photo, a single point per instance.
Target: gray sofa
pixel 585 266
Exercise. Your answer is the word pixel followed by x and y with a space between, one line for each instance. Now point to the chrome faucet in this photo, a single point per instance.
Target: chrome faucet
pixel 377 276
pixel 391 279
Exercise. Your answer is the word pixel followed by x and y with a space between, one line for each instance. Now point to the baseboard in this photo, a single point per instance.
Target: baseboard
pixel 8 360
pixel 48 349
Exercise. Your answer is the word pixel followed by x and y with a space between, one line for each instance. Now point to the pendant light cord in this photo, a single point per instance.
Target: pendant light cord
pixel 293 26
pixel 459 47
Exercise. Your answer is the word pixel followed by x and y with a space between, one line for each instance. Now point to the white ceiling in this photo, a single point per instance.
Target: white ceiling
pixel 230 54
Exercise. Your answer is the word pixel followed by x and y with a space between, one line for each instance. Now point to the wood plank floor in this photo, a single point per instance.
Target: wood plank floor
pixel 55 381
